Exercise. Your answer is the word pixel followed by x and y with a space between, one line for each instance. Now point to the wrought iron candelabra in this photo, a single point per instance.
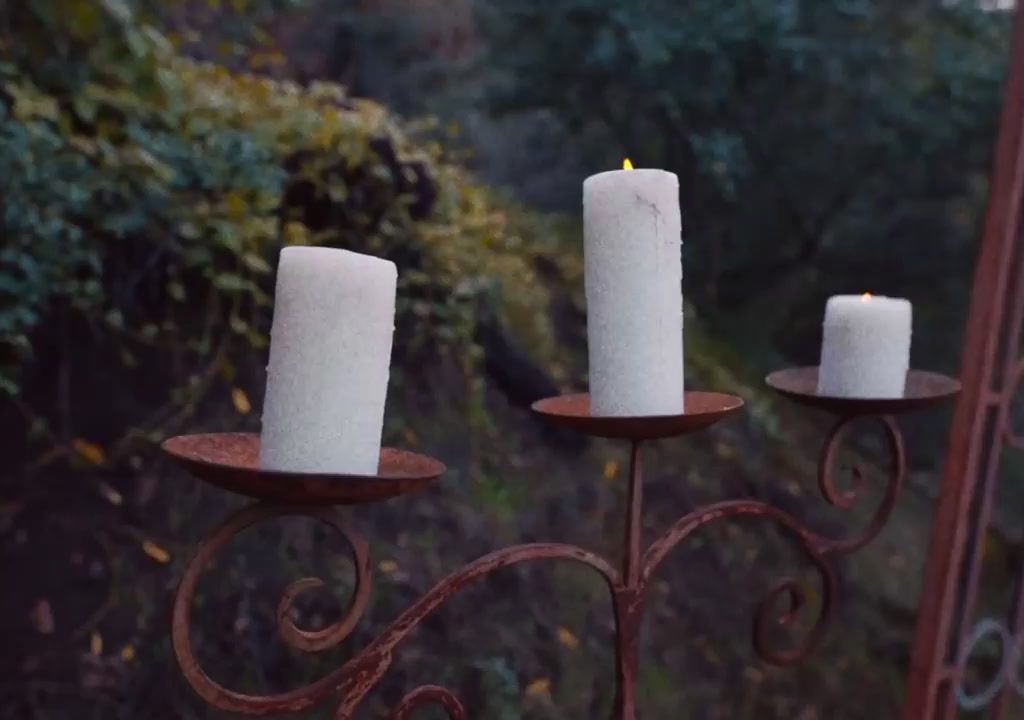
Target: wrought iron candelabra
pixel 229 460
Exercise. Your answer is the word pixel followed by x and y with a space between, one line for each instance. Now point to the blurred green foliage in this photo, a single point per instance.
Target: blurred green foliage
pixel 147 195
pixel 823 145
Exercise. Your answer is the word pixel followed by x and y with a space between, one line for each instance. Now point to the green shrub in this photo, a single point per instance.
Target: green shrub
pixel 147 197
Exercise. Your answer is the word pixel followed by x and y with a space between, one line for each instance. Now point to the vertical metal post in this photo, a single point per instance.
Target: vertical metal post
pixel 934 668
pixel 634 518
pixel 629 596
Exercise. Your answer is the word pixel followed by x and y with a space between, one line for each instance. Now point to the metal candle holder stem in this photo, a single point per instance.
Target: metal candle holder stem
pixel 230 461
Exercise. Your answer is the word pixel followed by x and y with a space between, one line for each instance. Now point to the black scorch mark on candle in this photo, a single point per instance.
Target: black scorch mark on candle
pixel 653 206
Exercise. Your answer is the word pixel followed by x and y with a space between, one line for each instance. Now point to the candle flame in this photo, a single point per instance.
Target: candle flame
pixel 866 297
pixel 627 164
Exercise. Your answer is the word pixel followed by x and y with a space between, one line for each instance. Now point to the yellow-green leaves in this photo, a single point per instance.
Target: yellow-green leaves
pixel 241 401
pixel 205 173
pixel 84 16
pixel 32 104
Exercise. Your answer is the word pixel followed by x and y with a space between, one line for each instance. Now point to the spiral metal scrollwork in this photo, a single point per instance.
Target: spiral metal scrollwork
pixel 782 605
pixel 1007 674
pixel 788 589
pixel 358 676
pixel 221 697
pixel 429 695
pixel 846 499
pixel 796 599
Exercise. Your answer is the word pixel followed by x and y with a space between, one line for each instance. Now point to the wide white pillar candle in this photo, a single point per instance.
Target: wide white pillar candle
pixel 866 347
pixel 632 256
pixel 330 355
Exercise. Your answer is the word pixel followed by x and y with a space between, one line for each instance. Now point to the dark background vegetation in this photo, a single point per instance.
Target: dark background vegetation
pixel 157 154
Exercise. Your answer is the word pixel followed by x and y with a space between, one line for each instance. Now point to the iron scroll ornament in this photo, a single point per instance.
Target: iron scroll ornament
pixel 783 604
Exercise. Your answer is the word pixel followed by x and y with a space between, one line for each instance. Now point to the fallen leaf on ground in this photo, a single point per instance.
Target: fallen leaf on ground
pixel 724 450
pixel 89 451
pixel 241 401
pixel 156 552
pixel 611 469
pixel 111 495
pixel 567 638
pixel 42 617
pixel 539 689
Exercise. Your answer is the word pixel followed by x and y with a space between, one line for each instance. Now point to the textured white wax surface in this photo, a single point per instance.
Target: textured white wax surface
pixel 330 356
pixel 865 350
pixel 632 257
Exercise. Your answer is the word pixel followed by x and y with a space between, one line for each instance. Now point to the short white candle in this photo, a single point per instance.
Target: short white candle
pixel 866 348
pixel 330 355
pixel 632 256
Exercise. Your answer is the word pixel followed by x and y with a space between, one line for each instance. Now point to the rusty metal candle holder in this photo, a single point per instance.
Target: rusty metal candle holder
pixel 230 461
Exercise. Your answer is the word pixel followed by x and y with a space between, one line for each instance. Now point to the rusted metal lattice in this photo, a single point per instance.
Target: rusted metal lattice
pixel 968 649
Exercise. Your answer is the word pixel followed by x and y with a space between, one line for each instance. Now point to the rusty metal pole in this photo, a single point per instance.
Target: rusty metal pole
pixel 629 597
pixel 930 687
pixel 634 517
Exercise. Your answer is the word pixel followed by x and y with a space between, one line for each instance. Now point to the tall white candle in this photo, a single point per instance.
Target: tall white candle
pixel 632 256
pixel 866 347
pixel 330 355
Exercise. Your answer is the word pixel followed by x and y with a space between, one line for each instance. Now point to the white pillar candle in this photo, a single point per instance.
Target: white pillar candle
pixel 330 355
pixel 866 347
pixel 632 256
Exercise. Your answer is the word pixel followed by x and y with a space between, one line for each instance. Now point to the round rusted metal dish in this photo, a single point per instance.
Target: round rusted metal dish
pixel 231 461
pixel 703 409
pixel 923 389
